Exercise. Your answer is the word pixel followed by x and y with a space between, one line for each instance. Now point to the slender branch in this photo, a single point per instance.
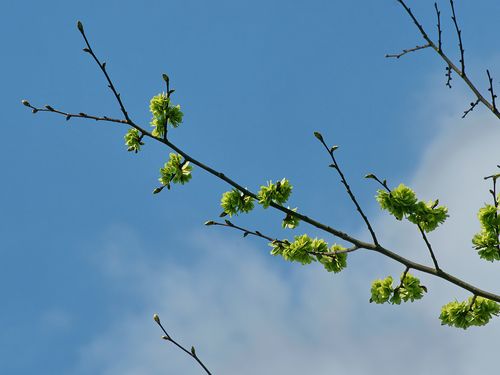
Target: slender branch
pixel 405 51
pixel 493 96
pixel 102 66
pixel 438 14
pixel 191 353
pixel 471 108
pixel 246 232
pixel 459 33
pixel 449 63
pixel 68 115
pixel 429 247
pixel 335 166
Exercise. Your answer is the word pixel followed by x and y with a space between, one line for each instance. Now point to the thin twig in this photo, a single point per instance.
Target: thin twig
pixel 493 96
pixel 102 66
pixel 335 166
pixel 459 33
pixel 68 115
pixel 405 51
pixel 246 232
pixel 438 14
pixel 471 108
pixel 191 353
pixel 429 247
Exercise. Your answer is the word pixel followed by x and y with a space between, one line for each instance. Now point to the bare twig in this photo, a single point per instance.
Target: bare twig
pixel 191 353
pixel 471 108
pixel 102 66
pixel 438 14
pixel 335 166
pixel 68 115
pixel 405 51
pixel 459 34
pixel 490 89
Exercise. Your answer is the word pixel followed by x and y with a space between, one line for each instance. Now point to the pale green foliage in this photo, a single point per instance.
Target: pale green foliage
pixel 133 140
pixel 402 202
pixel 381 290
pixel 305 250
pixel 334 263
pixel 486 241
pixel 399 202
pixel 175 170
pixel 409 289
pixel 277 193
pixel 234 202
pixel 469 313
pixel 428 216
pixel 164 112
pixel 290 221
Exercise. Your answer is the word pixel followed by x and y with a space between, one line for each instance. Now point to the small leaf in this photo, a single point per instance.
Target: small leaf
pixel 158 189
pixel 223 214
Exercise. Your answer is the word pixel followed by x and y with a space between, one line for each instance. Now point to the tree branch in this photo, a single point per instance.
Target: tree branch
pixel 449 63
pixel 191 353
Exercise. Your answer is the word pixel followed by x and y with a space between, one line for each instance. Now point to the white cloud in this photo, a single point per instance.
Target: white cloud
pixel 246 315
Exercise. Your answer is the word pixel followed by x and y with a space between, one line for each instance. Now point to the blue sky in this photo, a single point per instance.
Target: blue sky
pixel 89 254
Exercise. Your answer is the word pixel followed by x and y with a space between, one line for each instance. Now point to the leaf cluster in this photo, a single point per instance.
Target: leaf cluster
pixel 276 193
pixel 164 112
pixel 175 170
pixel 409 289
pixel 486 241
pixel 476 311
pixel 234 202
pixel 306 250
pixel 402 202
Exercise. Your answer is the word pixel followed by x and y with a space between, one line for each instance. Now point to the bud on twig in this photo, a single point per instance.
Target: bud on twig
pixel 318 136
pixel 26 103
pixel 79 26
pixel 156 318
pixel 193 351
pixel 209 222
